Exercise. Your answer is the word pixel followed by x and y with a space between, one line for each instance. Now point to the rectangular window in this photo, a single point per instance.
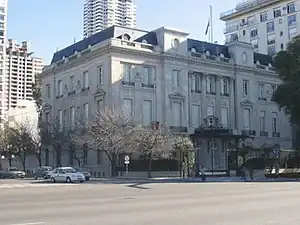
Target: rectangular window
pixel 261 91
pixel 86 112
pixel 86 79
pixel 271 50
pixel 71 83
pixel 59 88
pixel 274 122
pixel 99 157
pixel 147 113
pixel 127 72
pixel 253 33
pixel 224 86
pixel 127 107
pixel 245 87
pixel 72 118
pixel 100 74
pixel 291 8
pixel 210 110
pixel 211 84
pixel 246 118
pixel 224 117
pixel 262 121
pixel 176 78
pixel 271 39
pixel 254 43
pixel 60 120
pixel 48 91
pixel 270 27
pixel 65 117
pixel 99 104
pixel 263 17
pixel 177 116
pixel 195 83
pixel 277 13
pixel 292 32
pixel 148 78
pixel 195 114
pixel 292 20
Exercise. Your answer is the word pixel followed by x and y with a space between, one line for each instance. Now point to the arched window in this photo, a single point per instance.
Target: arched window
pixel 126 37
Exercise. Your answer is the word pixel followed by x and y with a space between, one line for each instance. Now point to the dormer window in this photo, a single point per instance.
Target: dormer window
pixel 144 42
pixel 207 53
pixel 175 43
pixel 126 37
pixel 193 50
pixel 222 55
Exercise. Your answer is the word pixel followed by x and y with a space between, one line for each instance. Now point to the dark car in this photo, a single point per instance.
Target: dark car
pixel 42 172
pixel 86 174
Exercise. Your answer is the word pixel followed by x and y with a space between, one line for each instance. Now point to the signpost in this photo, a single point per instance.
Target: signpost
pixel 126 161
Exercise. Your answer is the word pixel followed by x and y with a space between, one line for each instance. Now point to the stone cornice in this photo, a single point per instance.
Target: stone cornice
pixel 154 55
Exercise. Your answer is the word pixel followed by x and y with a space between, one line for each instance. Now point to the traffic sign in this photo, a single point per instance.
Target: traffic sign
pixel 126 158
pixel 127 162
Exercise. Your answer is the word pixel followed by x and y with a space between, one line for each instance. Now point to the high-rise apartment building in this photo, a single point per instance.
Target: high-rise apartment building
pixel 20 71
pixel 100 14
pixel 3 22
pixel 267 24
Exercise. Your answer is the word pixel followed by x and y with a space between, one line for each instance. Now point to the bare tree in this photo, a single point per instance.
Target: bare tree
pixel 110 130
pixel 8 148
pixel 51 134
pixel 184 148
pixel 21 140
pixel 152 141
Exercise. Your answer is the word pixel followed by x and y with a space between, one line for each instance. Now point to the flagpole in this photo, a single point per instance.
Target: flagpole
pixel 211 24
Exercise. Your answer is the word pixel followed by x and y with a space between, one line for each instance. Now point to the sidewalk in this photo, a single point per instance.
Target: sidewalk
pixel 188 180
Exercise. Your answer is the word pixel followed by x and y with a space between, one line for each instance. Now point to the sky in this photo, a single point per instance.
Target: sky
pixel 53 24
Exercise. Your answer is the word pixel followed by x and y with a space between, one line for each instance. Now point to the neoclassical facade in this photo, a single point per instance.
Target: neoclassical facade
pixel 220 95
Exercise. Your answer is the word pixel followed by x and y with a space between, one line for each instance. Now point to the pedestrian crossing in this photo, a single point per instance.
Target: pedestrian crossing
pixel 36 185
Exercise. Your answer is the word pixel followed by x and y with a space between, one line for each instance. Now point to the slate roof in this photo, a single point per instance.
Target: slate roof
pixel 83 44
pixel 263 59
pixel 202 47
pixel 150 37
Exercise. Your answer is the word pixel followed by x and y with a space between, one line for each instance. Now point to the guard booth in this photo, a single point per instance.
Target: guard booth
pixel 213 144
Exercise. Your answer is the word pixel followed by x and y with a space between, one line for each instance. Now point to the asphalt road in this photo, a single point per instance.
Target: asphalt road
pixel 152 204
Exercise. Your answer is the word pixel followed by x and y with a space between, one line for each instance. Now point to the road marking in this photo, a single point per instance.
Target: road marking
pixel 35 223
pixel 10 186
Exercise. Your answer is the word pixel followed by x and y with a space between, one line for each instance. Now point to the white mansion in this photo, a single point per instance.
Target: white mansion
pixel 164 76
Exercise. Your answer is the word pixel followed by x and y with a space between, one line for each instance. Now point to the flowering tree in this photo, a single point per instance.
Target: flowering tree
pixel 111 131
pixel 183 146
pixel 152 141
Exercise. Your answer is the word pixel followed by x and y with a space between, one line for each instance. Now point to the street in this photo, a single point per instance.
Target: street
pixel 241 203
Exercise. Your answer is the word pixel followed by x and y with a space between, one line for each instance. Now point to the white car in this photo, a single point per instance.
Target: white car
pixel 66 174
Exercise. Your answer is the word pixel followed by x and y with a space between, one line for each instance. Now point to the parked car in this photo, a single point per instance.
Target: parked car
pixel 12 172
pixel 66 174
pixel 86 174
pixel 42 172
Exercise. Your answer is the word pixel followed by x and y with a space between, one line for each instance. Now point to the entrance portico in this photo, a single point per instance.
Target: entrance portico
pixel 212 142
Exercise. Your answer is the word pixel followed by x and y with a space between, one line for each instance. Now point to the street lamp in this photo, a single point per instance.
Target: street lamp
pixel 2 157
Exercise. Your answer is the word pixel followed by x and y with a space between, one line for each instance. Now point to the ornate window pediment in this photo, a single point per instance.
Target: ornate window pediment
pixel 99 94
pixel 211 122
pixel 177 95
pixel 247 103
pixel 46 107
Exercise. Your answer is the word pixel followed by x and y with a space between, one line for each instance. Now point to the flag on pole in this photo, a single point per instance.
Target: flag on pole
pixel 207 27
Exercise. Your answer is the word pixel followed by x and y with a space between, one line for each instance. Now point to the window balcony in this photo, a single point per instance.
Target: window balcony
pixel 264 134
pixel 129 83
pixel 275 134
pixel 147 85
pixel 248 133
